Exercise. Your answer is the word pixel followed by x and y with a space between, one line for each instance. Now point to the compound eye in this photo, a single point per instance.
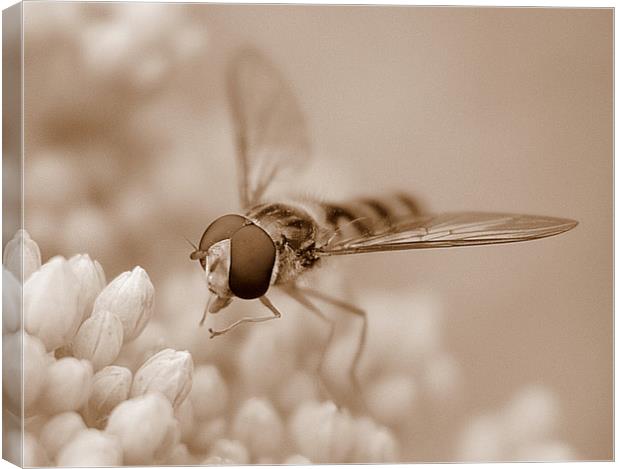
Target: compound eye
pixel 222 228
pixel 252 257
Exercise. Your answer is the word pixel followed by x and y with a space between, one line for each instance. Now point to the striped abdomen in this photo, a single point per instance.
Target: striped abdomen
pixel 364 216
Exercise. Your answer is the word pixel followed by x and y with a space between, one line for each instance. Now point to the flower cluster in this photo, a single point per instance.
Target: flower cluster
pixel 523 430
pixel 107 381
pixel 95 395
pixel 80 408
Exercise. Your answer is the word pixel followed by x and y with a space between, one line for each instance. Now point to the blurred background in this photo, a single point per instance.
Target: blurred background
pixel 490 353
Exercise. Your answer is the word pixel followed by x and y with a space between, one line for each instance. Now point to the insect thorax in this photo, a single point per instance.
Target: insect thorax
pixel 294 232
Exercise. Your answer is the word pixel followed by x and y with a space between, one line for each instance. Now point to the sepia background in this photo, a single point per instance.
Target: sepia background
pixel 490 353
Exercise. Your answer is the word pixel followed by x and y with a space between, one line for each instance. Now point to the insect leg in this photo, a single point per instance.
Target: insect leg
pixel 362 339
pixel 264 300
pixel 206 310
pixel 294 293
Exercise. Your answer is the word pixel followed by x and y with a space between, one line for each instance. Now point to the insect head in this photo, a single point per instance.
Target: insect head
pixel 238 257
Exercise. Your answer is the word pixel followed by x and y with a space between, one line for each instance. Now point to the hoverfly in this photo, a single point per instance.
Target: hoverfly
pixel 272 244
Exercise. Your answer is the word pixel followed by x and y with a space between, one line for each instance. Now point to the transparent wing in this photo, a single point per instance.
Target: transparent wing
pixel 453 229
pixel 270 128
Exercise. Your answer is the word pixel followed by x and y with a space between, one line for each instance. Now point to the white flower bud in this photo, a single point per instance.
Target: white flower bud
pixel 130 297
pixel 374 444
pixel 323 433
pixel 51 303
pixel 297 460
pixel 35 363
pixel 217 461
pixel 548 451
pixel 144 426
pixel 99 339
pixel 531 416
pixel 209 394
pixel 206 433
pixel 168 372
pixel 481 440
pixel 184 414
pixel 230 450
pixel 110 387
pixel 12 258
pixel 91 280
pixel 259 427
pixel 11 302
pixel 12 372
pixel 90 448
pixel 68 385
pixel 391 398
pixel 34 454
pixel 59 430
pixel 180 456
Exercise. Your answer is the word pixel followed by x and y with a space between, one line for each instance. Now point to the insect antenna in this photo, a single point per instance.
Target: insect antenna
pixel 191 244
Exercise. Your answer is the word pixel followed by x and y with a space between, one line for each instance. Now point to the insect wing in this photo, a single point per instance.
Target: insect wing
pixel 270 128
pixel 453 229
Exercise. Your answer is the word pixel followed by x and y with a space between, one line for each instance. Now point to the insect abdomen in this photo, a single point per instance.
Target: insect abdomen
pixel 368 215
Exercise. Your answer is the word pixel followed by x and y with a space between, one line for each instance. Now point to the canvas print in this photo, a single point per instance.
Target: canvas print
pixel 297 234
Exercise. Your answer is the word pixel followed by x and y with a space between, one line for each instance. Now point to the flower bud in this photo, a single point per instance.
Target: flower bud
pixel 11 302
pixel 206 433
pixel 546 451
pixel 12 258
pixel 99 339
pixel 91 279
pixel 34 368
pixel 144 426
pixel 59 430
pixel 217 461
pixel 209 394
pixel 373 443
pixel 68 385
pixel 110 387
pixel 531 415
pixel 322 432
pixel 230 450
pixel 184 414
pixel 391 398
pixel 180 456
pixel 258 426
pixel 481 440
pixel 90 448
pixel 51 303
pixel 34 454
pixel 297 460
pixel 130 297
pixel 168 372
